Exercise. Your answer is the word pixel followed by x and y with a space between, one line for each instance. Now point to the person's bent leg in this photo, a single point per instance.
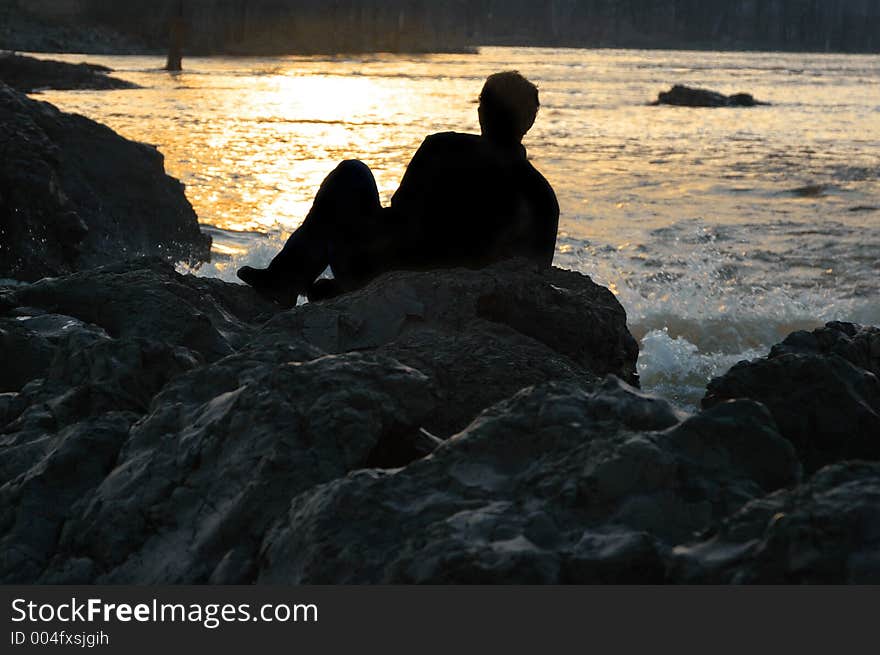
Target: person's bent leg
pixel 347 194
pixel 365 248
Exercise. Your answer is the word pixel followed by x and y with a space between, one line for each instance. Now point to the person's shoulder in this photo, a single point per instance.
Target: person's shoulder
pixel 458 137
pixel 452 140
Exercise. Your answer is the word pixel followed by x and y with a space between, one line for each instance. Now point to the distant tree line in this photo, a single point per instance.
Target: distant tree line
pixel 272 26
pixel 264 26
pixel 820 25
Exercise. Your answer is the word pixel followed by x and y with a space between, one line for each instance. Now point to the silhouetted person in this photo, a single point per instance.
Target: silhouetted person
pixel 465 200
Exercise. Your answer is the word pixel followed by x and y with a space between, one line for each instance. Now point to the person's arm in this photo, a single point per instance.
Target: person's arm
pixel 538 242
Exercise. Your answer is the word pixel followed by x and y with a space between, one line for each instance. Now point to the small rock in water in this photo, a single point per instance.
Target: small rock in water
pixel 27 74
pixel 810 191
pixel 685 96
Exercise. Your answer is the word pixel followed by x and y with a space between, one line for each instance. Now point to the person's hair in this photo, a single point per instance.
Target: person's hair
pixel 508 107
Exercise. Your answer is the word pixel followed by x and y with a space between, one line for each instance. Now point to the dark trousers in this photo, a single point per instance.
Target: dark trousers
pixel 344 230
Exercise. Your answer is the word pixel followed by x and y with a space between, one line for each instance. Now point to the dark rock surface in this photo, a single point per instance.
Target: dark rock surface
pixel 28 74
pixel 822 389
pixel 164 428
pixel 481 336
pixel 74 195
pixel 685 96
pixel 147 299
pixel 857 344
pixel 824 532
pixel 202 411
pixel 557 485
pixel 164 514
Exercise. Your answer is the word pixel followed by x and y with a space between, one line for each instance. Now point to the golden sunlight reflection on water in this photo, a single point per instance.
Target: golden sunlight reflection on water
pixel 252 138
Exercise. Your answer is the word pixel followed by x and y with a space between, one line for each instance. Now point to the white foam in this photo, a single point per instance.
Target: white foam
pixel 697 309
pixel 253 249
pixel 676 369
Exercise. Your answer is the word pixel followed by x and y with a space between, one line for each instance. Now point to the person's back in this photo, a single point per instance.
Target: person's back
pixel 471 200
pixel 469 203
pixel 454 199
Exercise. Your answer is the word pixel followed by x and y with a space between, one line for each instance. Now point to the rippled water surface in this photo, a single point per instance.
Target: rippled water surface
pixel 721 230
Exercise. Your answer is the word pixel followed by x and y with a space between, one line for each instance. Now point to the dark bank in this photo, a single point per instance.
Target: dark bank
pixel 309 26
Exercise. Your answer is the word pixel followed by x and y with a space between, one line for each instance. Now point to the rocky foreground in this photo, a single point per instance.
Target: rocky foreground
pixel 75 195
pixel 446 427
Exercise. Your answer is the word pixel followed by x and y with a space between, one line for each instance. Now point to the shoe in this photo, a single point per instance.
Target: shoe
pixel 269 286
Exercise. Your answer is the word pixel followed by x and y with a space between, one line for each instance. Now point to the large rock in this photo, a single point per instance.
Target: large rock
pixel 197 484
pixel 74 195
pixel 35 504
pixel 824 532
pixel 857 344
pixel 144 298
pixel 480 336
pixel 557 485
pixel 169 420
pixel 822 389
pixel 61 434
pixel 27 74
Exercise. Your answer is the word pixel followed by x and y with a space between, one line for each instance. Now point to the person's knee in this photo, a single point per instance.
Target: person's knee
pixel 354 168
pixel 349 177
pixel 354 180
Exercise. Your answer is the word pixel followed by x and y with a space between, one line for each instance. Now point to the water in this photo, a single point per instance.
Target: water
pixel 720 230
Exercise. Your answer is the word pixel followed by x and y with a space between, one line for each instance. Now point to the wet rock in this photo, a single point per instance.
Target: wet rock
pixel 480 336
pixel 557 485
pixel 89 354
pixel 26 356
pixel 824 532
pixel 857 344
pixel 36 504
pixel 822 390
pixel 27 74
pixel 107 376
pixel 148 299
pixel 685 96
pixel 29 344
pixel 74 195
pixel 197 483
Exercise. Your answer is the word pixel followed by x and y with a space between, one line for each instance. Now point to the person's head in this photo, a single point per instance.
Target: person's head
pixel 508 107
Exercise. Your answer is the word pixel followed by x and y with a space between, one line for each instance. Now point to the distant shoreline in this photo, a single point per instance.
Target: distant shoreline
pixel 673 46
pixel 269 29
pixel 474 50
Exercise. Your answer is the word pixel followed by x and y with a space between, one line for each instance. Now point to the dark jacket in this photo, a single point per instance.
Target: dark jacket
pixel 464 201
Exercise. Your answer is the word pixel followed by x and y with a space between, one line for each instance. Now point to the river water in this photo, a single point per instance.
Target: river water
pixel 720 230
